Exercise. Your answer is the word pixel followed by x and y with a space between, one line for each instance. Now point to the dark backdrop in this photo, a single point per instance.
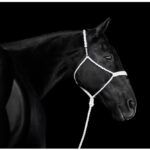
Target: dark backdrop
pixel 66 106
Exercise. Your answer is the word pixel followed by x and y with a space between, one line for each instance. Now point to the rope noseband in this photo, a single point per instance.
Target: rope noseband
pixel 91 102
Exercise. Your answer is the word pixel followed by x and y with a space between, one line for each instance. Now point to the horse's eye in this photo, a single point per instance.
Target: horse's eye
pixel 109 57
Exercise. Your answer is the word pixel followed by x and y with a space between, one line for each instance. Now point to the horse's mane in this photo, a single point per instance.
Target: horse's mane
pixel 35 41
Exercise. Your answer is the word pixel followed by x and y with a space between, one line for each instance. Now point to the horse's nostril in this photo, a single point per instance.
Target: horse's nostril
pixel 131 104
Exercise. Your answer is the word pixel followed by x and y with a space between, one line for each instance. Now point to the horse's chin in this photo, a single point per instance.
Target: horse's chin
pixel 118 115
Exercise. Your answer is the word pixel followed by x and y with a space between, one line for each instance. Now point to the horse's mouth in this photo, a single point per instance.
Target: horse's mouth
pixel 121 116
pixel 126 115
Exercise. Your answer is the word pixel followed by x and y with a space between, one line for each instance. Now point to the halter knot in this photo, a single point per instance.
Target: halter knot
pixel 91 102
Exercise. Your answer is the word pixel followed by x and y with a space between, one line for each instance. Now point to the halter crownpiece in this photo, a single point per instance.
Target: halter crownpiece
pixel 91 102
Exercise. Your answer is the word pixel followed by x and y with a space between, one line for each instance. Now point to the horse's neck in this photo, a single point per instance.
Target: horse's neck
pixel 43 62
pixel 66 61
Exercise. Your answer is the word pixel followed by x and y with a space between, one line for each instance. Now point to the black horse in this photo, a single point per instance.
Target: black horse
pixel 30 68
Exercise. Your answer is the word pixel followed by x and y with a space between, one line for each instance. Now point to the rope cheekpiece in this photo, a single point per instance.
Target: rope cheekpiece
pixel 91 102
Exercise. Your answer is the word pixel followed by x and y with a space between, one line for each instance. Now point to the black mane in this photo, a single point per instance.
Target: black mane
pixel 36 41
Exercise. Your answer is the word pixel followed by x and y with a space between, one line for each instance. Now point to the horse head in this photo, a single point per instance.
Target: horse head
pixel 96 70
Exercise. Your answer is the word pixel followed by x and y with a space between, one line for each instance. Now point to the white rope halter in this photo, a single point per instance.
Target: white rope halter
pixel 91 102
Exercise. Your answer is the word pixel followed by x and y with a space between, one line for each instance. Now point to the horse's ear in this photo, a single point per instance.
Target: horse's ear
pixel 103 26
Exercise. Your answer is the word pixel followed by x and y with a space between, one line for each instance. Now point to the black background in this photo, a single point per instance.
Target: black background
pixel 66 105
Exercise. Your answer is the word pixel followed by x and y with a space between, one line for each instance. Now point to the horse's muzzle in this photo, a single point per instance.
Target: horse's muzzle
pixel 131 110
